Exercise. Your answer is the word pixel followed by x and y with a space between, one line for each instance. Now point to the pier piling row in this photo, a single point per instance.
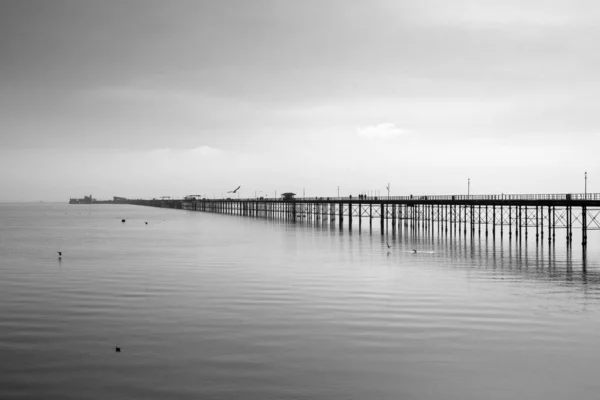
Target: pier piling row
pixel 517 216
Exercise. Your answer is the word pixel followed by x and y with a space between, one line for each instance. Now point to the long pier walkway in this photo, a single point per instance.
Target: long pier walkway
pixel 511 214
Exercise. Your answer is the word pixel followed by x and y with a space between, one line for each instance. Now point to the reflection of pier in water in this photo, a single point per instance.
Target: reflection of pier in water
pixel 543 260
pixel 517 216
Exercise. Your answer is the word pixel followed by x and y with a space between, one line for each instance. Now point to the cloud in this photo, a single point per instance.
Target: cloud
pixel 384 131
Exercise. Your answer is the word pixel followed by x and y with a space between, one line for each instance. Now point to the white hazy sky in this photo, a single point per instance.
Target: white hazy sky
pixel 151 97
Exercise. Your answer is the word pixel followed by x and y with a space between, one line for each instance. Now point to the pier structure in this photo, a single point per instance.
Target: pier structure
pixel 522 216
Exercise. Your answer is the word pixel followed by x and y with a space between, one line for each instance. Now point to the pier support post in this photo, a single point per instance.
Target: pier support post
pixel 501 221
pixel 542 222
pixel 526 222
pixel 350 215
pixel 510 221
pixel 549 224
pixel 554 224
pixel 537 223
pixel 360 210
pixel 568 217
pixel 517 221
pixel 584 226
pixel 486 221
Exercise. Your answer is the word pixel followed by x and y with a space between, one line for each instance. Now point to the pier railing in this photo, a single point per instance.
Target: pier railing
pixel 463 197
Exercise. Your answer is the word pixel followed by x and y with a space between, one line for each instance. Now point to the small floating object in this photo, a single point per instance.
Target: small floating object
pixel 123 220
pixel 146 223
pixel 414 250
pixel 117 349
pixel 59 255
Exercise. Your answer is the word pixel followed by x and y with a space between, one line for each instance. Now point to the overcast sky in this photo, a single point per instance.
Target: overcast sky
pixel 151 97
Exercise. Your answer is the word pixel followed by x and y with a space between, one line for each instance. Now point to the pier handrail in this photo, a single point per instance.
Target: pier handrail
pixel 461 197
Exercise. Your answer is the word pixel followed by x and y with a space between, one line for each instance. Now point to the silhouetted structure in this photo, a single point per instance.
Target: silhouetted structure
pixel 85 200
pixel 517 214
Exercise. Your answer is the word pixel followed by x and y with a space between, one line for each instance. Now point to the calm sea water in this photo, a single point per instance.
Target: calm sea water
pixel 208 306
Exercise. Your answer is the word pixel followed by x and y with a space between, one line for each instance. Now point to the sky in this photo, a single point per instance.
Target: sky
pixel 151 98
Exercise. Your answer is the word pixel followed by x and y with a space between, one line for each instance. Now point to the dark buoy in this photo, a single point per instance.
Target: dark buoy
pixel 118 349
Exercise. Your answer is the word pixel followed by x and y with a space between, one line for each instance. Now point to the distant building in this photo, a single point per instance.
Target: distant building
pixel 85 200
pixel 288 196
pixel 117 199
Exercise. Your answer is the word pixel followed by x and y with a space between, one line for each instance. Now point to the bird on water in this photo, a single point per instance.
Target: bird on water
pixel 146 223
pixel 118 349
pixel 123 220
pixel 414 250
pixel 59 254
pixel 389 247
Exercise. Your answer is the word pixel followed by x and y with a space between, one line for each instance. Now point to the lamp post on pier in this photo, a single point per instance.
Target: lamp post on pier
pixel 585 192
pixel 468 186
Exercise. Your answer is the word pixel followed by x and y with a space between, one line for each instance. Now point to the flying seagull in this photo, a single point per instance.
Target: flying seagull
pixel 389 247
pixel 236 189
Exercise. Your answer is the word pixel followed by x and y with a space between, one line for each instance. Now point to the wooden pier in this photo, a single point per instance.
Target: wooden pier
pixel 536 215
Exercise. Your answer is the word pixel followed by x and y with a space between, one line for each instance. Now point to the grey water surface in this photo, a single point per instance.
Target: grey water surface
pixel 208 306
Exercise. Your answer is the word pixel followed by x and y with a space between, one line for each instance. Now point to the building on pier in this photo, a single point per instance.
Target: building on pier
pixel 288 196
